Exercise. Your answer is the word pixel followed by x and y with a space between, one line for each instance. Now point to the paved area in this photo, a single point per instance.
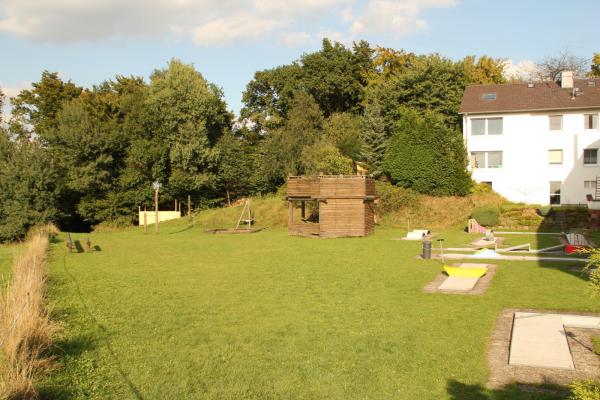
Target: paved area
pixel 540 339
pixel 579 340
pixel 458 283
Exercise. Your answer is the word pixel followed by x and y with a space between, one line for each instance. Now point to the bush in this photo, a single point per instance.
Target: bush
pixel 544 211
pixel 487 216
pixel 393 198
pixel 480 188
pixel 585 390
pixel 426 155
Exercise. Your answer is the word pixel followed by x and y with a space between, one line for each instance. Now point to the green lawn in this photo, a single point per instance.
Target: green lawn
pixel 6 258
pixel 189 315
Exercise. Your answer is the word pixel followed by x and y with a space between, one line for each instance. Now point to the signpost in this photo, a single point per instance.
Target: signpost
pixel 156 187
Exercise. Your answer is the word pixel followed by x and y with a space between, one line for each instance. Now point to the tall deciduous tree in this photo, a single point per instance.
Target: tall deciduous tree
pixel 595 67
pixel 189 116
pixel 35 110
pixel 551 66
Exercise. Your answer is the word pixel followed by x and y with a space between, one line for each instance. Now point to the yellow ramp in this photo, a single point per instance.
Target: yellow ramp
pixel 465 272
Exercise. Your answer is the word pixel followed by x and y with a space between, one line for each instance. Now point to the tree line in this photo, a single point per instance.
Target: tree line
pixel 82 156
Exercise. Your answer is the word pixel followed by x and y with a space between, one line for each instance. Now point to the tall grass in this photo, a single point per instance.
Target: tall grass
pixel 26 330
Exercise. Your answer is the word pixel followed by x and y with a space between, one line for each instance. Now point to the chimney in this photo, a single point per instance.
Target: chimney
pixel 565 79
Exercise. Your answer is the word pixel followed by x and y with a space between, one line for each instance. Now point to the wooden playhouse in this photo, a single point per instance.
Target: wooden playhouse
pixel 331 205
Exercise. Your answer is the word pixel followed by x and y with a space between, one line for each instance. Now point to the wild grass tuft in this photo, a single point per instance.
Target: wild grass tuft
pixel 26 329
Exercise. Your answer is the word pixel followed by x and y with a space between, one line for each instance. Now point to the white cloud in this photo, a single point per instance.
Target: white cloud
pixel 11 91
pixel 526 70
pixel 395 17
pixel 238 27
pixel 209 22
pixel 294 39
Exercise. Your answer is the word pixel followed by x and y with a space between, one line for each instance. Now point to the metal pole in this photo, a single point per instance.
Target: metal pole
pixel 156 212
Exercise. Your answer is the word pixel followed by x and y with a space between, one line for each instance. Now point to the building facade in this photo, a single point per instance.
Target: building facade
pixel 535 143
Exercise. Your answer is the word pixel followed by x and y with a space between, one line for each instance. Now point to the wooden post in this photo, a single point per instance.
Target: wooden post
pixel 303 210
pixel 189 206
pixel 175 209
pixel 156 212
pixel 291 209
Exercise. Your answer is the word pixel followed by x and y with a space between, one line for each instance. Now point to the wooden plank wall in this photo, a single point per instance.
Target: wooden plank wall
pixel 303 229
pixel 342 217
pixel 303 187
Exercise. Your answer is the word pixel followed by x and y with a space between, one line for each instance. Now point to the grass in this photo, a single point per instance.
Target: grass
pixel 25 324
pixel 187 314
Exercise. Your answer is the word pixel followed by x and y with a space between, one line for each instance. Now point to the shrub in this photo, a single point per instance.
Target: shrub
pixel 544 211
pixel 393 198
pixel 487 215
pixel 480 188
pixel 584 390
pixel 426 155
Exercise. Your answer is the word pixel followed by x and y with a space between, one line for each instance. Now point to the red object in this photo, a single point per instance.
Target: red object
pixel 570 249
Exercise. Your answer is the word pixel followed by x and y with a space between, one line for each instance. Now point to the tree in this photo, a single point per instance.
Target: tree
pixel 343 131
pixel 234 165
pixel 373 137
pixel 27 178
pixel 426 155
pixel 283 147
pixel 335 76
pixel 483 70
pixel 551 66
pixel 187 116
pixel 595 68
pixel 325 158
pixel 35 110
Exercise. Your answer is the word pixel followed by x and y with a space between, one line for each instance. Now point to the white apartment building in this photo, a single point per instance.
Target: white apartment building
pixel 536 143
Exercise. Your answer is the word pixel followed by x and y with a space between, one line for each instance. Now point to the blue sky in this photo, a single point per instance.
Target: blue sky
pixel 228 40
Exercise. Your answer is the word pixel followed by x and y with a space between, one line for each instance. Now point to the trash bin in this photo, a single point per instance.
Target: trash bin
pixel 426 250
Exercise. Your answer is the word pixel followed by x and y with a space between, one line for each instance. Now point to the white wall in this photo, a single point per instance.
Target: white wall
pixel 526 173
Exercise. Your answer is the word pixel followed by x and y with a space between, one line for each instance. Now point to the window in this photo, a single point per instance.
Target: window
pixel 494 159
pixel 490 184
pixel 590 121
pixel 486 126
pixel 589 185
pixel 555 157
pixel 555 122
pixel 494 126
pixel 486 159
pixel 590 157
pixel 478 159
pixel 555 192
pixel 478 126
pixel 489 96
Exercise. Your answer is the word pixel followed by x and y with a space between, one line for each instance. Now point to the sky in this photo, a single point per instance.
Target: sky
pixel 89 41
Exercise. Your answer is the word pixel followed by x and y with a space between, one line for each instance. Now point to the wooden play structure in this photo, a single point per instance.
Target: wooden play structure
pixel 331 205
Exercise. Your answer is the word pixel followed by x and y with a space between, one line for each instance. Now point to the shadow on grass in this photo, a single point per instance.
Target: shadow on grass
pixel 462 391
pixel 77 345
pixel 186 228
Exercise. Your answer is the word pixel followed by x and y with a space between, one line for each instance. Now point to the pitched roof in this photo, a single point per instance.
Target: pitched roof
pixel 514 97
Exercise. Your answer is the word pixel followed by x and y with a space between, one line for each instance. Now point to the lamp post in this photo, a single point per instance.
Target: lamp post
pixel 156 187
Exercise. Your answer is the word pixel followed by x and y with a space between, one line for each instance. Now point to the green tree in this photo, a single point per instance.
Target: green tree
pixel 426 155
pixel 234 166
pixel 483 70
pixel 325 158
pixel 188 116
pixel 35 110
pixel 343 131
pixel 283 147
pixel 373 137
pixel 27 178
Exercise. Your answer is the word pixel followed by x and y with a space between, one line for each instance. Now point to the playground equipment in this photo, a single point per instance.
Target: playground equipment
pixel 417 234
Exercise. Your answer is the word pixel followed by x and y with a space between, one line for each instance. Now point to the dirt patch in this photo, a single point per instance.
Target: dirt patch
pixel 480 287
pixel 586 362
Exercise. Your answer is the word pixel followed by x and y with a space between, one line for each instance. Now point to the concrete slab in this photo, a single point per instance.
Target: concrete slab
pixel 539 340
pixel 581 321
pixel 458 283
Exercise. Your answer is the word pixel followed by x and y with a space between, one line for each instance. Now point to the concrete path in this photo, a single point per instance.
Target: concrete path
pixel 458 283
pixel 540 339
